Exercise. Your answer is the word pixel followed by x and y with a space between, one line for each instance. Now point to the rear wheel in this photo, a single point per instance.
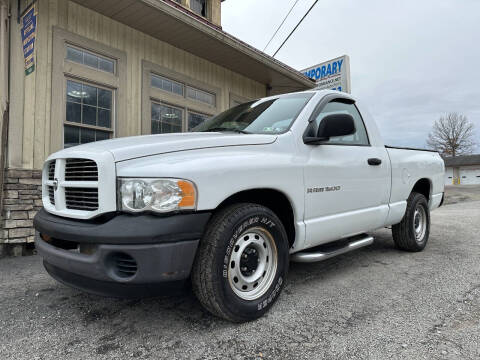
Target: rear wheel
pixel 412 233
pixel 242 262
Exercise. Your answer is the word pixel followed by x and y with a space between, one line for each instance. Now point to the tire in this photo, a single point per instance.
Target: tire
pixel 242 262
pixel 412 233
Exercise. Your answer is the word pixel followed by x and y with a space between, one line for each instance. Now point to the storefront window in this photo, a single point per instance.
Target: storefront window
pixel 88 113
pixel 166 119
pixel 89 59
pixel 173 102
pixel 200 95
pixel 75 135
pixel 89 87
pixel 165 84
pixel 195 119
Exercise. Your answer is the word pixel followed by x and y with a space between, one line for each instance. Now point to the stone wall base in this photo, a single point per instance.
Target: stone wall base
pixel 22 199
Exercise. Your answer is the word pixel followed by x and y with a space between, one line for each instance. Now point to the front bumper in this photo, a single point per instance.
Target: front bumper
pixel 124 256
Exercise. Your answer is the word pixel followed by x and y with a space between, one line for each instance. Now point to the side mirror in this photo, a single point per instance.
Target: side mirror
pixel 331 126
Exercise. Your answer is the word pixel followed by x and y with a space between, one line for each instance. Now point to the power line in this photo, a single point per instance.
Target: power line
pixel 276 31
pixel 303 18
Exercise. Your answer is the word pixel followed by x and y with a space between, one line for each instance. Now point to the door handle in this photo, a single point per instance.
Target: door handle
pixel 374 161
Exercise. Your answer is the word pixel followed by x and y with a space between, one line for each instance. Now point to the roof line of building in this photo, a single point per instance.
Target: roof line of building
pixel 462 160
pixel 217 32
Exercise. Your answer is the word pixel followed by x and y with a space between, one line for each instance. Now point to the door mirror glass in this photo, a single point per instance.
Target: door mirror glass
pixel 336 125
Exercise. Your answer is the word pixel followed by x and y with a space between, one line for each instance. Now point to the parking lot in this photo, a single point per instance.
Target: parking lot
pixel 374 303
pixel 461 193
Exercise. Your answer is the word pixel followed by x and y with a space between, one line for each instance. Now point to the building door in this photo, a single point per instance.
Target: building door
pixel 448 176
pixel 469 176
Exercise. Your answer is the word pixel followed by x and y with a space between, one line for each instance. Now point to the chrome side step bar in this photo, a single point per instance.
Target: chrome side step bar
pixel 356 242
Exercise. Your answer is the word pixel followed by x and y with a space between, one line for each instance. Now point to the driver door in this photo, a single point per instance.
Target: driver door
pixel 345 193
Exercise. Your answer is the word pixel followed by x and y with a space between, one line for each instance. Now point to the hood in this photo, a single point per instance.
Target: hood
pixel 139 146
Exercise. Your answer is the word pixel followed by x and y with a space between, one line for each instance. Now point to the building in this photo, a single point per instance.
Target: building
pixel 85 70
pixel 462 170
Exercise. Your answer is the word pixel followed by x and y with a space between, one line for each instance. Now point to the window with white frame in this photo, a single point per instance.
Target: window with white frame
pixel 89 82
pixel 89 113
pixel 89 107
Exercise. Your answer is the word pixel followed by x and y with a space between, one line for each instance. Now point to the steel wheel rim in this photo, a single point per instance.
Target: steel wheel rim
pixel 420 223
pixel 250 282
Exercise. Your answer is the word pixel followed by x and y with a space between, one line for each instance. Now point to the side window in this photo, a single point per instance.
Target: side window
pixel 334 107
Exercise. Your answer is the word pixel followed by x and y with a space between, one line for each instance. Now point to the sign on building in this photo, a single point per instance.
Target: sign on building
pixel 333 74
pixel 29 30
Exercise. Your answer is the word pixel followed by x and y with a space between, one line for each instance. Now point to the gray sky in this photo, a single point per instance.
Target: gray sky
pixel 411 60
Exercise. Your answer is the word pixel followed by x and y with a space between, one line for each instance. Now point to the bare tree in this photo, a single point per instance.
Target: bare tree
pixel 452 134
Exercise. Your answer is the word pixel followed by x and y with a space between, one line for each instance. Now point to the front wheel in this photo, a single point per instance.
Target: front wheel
pixel 242 262
pixel 412 233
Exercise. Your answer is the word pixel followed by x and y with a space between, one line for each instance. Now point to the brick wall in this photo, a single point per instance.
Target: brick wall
pixel 22 200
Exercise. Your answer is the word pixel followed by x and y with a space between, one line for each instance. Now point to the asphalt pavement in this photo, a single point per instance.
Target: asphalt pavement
pixel 455 194
pixel 374 303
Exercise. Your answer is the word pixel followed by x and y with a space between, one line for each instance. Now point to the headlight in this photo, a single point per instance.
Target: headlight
pixel 160 195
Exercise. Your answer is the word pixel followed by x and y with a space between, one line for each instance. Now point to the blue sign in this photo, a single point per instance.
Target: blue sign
pixel 333 74
pixel 28 30
pixel 323 71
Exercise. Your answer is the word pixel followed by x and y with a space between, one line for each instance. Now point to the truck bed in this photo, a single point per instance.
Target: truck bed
pixel 409 165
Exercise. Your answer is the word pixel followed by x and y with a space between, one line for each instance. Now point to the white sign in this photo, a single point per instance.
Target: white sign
pixel 333 74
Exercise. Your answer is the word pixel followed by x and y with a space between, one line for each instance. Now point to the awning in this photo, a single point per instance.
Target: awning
pixel 182 29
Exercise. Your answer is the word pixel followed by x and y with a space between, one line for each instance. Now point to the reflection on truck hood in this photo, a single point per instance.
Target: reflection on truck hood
pixel 138 146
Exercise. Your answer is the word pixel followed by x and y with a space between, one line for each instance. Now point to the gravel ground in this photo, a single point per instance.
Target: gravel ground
pixel 461 193
pixel 375 303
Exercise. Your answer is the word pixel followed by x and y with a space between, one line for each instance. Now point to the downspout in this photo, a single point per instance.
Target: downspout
pixel 5 88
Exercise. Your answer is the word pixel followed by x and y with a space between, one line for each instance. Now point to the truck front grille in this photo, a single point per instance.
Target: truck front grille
pixel 80 188
pixel 81 198
pixel 51 194
pixel 51 170
pixel 81 170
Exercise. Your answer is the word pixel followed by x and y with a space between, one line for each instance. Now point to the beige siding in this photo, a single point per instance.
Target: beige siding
pixel 35 125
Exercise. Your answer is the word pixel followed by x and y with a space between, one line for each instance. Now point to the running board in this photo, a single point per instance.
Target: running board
pixel 354 243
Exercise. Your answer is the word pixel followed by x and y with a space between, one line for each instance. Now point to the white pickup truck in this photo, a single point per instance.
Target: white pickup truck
pixel 301 176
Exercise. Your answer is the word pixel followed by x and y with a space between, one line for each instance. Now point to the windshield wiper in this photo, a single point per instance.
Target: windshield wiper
pixel 228 129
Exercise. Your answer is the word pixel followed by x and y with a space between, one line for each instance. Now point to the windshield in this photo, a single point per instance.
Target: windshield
pixel 272 116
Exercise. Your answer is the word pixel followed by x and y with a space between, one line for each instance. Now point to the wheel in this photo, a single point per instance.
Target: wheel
pixel 241 263
pixel 411 234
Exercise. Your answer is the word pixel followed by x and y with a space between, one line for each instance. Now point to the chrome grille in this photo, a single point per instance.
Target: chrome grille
pixel 81 198
pixel 51 195
pixel 81 170
pixel 51 171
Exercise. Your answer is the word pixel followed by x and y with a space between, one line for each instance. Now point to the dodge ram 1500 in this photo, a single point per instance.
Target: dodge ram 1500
pixel 302 177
